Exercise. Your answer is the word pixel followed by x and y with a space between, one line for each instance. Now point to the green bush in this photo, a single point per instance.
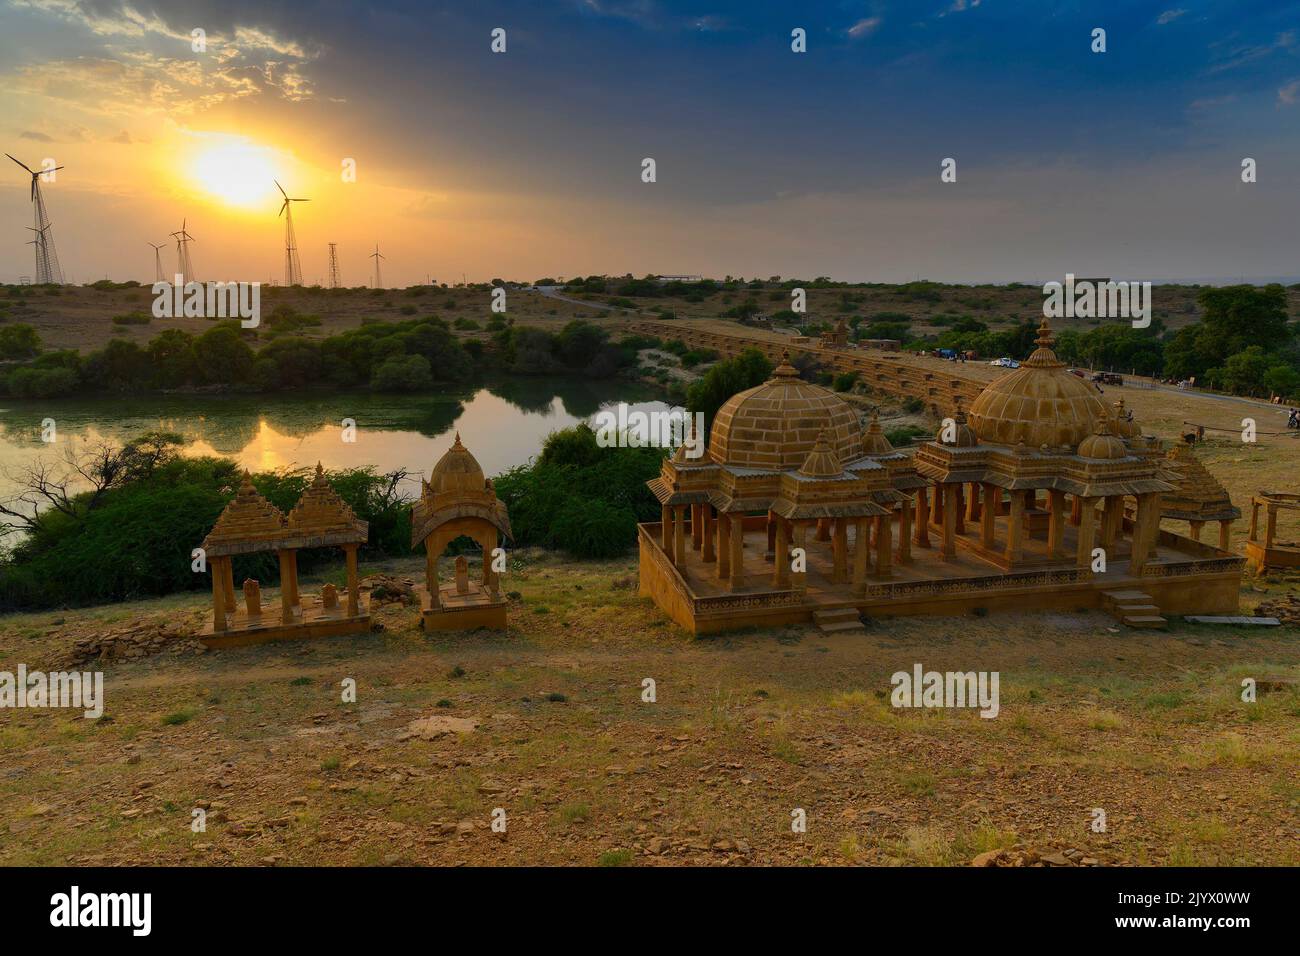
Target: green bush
pixel 135 541
pixel 19 341
pixel 579 497
pixel 403 373
pixel 42 382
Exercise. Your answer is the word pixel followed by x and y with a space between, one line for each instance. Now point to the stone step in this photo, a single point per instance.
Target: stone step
pixel 839 620
pixel 837 614
pixel 1124 595
pixel 1138 610
pixel 843 627
pixel 1144 620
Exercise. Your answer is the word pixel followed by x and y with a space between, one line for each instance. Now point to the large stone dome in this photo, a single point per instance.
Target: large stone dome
pixel 457 471
pixel 1040 403
pixel 775 425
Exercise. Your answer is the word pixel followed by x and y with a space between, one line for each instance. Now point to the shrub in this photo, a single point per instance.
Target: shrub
pixel 42 382
pixel 19 341
pixel 403 373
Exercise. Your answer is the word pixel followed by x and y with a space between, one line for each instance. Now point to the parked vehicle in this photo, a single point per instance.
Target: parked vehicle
pixel 1108 378
pixel 1079 372
pixel 1005 362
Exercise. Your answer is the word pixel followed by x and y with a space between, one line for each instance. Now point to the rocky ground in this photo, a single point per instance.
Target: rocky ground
pixel 547 725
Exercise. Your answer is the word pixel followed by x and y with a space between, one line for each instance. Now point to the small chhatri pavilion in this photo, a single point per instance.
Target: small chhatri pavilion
pixel 458 501
pixel 251 524
pixel 1198 497
pixel 1005 509
pixel 1264 552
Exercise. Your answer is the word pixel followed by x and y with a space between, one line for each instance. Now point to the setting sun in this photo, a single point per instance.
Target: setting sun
pixel 236 171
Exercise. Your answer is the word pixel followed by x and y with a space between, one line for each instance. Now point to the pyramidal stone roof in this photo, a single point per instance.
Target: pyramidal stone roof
pixel 250 523
pixel 1197 494
pixel 320 511
pixel 874 441
pixel 822 462
pixel 249 517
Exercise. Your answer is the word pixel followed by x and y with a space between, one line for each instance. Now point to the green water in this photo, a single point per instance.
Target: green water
pixel 502 422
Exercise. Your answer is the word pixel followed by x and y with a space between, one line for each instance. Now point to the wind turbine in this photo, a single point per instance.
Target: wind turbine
pixel 157 260
pixel 183 264
pixel 376 256
pixel 47 260
pixel 292 267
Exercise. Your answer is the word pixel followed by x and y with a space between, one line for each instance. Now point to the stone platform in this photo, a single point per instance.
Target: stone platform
pixel 456 611
pixel 1184 576
pixel 312 620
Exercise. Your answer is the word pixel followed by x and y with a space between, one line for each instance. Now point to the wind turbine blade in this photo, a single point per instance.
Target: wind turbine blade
pixel 282 209
pixel 22 164
pixel 281 188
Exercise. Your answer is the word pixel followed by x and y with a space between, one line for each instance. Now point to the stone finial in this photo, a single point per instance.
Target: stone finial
pixel 252 596
pixel 785 369
pixel 329 597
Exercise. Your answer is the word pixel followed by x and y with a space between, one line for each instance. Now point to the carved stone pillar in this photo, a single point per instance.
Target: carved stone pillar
pixel 921 535
pixel 781 560
pixel 905 533
pixel 949 499
pixel 737 552
pixel 1055 524
pixel 1015 528
pixel 884 546
pixel 839 550
pixel 724 546
pixel 1087 529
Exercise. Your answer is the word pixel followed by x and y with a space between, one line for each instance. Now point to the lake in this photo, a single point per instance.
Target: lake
pixel 502 422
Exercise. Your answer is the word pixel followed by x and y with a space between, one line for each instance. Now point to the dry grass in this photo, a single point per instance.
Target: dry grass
pixel 746 728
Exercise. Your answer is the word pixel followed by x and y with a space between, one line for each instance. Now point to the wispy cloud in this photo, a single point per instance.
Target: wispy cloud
pixel 1169 16
pixel 1247 54
pixel 864 27
pixel 1289 94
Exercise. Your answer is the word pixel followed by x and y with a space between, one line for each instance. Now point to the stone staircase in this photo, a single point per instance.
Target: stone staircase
pixel 1133 608
pixel 841 620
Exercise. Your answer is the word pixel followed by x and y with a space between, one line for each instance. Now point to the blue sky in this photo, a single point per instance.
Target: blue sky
pixel 769 162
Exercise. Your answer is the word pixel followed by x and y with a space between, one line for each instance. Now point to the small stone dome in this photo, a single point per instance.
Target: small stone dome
pixel 1103 446
pixel 1126 425
pixel 775 426
pixel 821 461
pixel 874 441
pixel 457 471
pixel 1039 403
pixel 964 436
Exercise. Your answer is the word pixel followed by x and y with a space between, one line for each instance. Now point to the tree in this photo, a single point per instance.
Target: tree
pixel 1283 380
pixel 119 366
pixel 224 357
pixel 725 379
pixel 1244 372
pixel 403 373
pixel 18 341
pixel 174 363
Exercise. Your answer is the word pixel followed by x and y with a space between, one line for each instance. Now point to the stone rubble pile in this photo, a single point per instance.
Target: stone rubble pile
pixel 1020 855
pixel 387 589
pixel 131 642
pixel 1285 609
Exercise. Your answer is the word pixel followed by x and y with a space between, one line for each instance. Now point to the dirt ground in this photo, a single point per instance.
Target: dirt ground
pixel 548 724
